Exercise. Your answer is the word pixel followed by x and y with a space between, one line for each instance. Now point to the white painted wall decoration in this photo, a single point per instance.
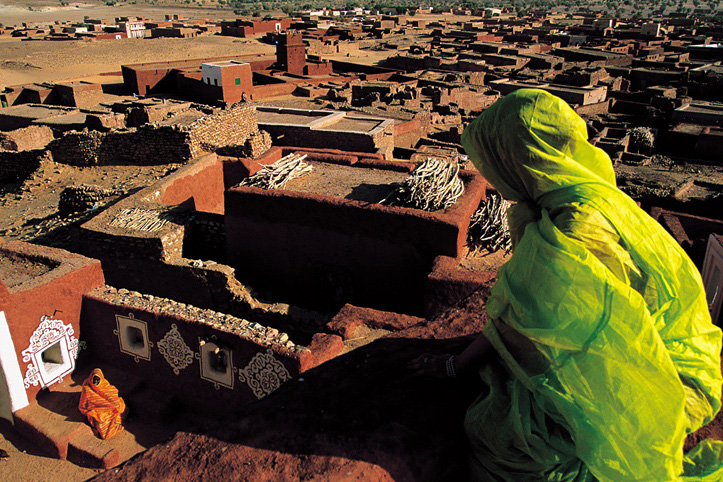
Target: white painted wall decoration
pixel 175 350
pixel 216 364
pixel 133 337
pixel 264 374
pixel 51 354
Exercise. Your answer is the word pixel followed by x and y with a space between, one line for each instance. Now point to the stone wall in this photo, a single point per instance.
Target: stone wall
pixel 77 148
pixel 147 145
pixel 255 145
pixel 230 126
pixel 26 138
pixel 161 144
pixel 16 166
pixel 205 237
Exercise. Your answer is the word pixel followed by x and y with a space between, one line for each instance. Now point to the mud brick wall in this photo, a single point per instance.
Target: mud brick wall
pixel 199 186
pixel 175 333
pixel 154 144
pixel 302 136
pixel 448 284
pixel 327 251
pixel 56 294
pixel 26 138
pixel 16 166
pixel 690 231
pixel 105 122
pixel 384 141
pixel 138 115
pixel 257 144
pixel 98 244
pixel 199 284
pixel 85 95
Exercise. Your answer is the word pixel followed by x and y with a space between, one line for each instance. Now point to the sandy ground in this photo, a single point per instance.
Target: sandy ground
pixel 24 463
pixel 45 61
pixel 27 61
pixel 16 12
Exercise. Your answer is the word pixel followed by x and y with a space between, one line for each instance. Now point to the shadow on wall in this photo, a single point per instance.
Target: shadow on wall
pixel 360 416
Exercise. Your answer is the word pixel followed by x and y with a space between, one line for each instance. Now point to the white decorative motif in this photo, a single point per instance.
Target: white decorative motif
pixel 133 337
pixel 175 350
pixel 51 354
pixel 32 375
pixel 216 363
pixel 264 374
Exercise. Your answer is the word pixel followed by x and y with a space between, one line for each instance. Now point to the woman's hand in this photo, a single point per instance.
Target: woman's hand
pixel 429 365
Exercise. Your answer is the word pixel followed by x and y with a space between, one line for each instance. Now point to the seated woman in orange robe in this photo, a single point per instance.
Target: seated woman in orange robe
pixel 99 401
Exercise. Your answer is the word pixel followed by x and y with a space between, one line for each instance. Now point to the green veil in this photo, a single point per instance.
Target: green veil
pixel 631 365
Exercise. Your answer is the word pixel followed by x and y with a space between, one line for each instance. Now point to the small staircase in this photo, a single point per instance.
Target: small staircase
pixel 56 426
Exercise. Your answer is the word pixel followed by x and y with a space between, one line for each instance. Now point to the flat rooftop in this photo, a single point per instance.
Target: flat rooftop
pixel 354 124
pixel 702 108
pixel 348 182
pixel 16 268
pixel 317 119
pixel 36 111
pixel 64 119
pixel 289 116
pixel 184 118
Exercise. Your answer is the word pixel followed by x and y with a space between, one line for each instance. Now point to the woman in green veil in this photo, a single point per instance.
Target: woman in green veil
pixel 603 353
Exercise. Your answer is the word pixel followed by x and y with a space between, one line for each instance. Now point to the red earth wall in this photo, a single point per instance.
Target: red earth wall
pixel 312 247
pixel 56 294
pixel 201 188
pixel 99 323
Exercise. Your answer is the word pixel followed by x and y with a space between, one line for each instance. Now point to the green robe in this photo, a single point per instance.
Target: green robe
pixel 607 354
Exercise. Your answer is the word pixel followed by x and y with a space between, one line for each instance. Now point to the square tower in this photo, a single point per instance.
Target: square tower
pixel 291 53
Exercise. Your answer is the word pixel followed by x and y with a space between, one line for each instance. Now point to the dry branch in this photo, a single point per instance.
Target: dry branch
pixel 488 226
pixel 276 175
pixel 433 185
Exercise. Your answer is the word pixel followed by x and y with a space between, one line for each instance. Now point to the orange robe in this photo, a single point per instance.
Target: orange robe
pixel 102 405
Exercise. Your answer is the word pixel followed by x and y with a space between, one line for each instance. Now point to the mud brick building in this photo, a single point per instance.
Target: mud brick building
pixel 324 129
pixel 40 304
pixel 19 116
pixel 571 94
pixel 72 94
pixel 153 77
pixel 248 28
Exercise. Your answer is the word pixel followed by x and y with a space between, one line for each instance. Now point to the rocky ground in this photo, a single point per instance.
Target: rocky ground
pixel 29 210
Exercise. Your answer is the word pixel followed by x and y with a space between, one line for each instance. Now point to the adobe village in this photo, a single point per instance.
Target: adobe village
pixel 251 220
